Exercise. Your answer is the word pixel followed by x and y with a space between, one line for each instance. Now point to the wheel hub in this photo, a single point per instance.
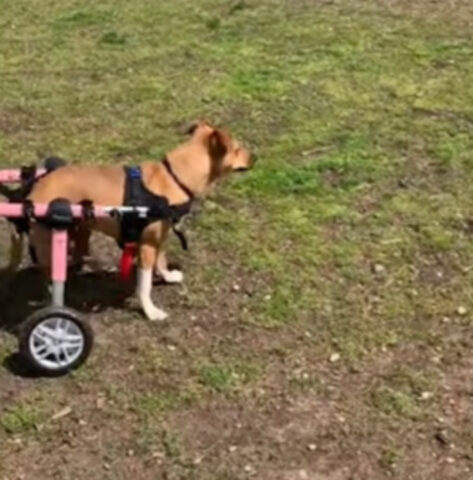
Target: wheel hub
pixel 56 342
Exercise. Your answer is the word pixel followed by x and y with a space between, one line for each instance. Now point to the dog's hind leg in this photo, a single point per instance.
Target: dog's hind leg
pixel 40 247
pixel 81 250
pixel 16 249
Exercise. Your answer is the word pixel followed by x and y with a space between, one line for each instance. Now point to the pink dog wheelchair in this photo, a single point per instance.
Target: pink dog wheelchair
pixel 56 339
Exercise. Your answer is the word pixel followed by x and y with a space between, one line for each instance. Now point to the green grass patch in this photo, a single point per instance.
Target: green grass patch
pixel 21 418
pixel 226 377
pixel 155 403
pixel 393 402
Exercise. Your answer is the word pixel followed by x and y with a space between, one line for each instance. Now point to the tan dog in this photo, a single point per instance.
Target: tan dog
pixel 208 155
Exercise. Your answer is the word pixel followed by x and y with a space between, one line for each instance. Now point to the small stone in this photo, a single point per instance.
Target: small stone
pixel 441 437
pixel 62 413
pixel 236 287
pixel 335 357
pixel 267 298
pixel 232 448
pixel 378 268
pixel 426 395
pixel 450 460
pixel 82 422
pixel 248 468
pixel 445 319
pixel 171 348
pixel 312 447
pixel 303 474
pixel 106 466
pixel 198 460
pixel 461 310
pixel 130 453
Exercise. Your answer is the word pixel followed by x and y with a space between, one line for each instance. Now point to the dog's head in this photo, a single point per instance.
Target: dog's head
pixel 225 152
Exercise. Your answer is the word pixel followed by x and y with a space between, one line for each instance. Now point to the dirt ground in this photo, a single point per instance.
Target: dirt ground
pixel 350 360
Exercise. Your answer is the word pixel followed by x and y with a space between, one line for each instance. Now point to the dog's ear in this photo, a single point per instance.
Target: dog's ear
pixel 219 143
pixel 190 129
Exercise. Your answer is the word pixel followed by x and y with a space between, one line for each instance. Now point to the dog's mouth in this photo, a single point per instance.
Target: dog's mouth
pixel 241 169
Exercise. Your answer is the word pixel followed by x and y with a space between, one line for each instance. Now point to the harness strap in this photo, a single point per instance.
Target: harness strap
pixel 88 210
pixel 28 209
pixel 176 179
pixel 181 237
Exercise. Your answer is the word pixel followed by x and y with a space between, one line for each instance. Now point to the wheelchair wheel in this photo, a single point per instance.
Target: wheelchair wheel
pixel 55 340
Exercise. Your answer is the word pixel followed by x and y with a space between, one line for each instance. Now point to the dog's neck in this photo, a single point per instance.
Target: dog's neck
pixel 192 170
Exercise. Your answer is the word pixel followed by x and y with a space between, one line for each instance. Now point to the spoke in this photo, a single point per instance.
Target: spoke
pixel 46 331
pixel 66 327
pixel 41 348
pixel 66 354
pixel 71 346
pixel 73 338
pixel 46 353
pixel 57 356
pixel 59 326
pixel 41 336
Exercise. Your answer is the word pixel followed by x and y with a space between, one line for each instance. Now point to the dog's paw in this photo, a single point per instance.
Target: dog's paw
pixel 155 314
pixel 173 276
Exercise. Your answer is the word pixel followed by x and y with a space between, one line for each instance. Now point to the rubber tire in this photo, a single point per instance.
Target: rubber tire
pixel 37 317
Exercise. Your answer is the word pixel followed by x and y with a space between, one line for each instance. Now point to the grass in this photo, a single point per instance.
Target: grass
pixel 21 418
pixel 224 377
pixel 392 402
pixel 361 117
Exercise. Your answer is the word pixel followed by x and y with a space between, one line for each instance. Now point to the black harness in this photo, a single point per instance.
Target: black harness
pixel 137 195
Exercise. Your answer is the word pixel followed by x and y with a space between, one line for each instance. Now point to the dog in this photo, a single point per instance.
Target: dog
pixel 191 169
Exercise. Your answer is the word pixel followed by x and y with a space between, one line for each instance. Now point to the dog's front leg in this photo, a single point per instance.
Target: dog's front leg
pixel 147 257
pixel 169 276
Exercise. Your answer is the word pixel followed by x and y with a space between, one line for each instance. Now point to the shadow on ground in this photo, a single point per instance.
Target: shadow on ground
pixel 23 293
